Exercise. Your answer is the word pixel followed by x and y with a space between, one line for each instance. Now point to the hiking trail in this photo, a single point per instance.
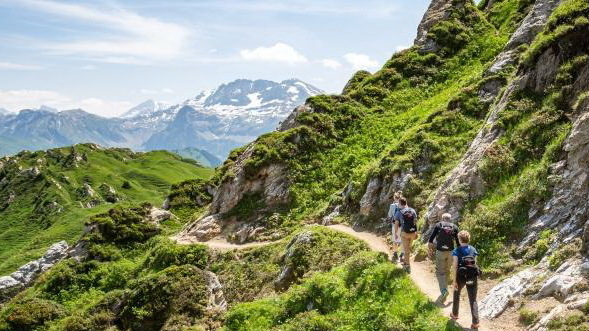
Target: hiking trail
pixel 422 274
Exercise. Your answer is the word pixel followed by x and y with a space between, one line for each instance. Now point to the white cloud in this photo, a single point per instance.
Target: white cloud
pixel 103 107
pixel 165 90
pixel 17 66
pixel 135 39
pixel 360 61
pixel 280 52
pixel 331 63
pixel 372 8
pixel 15 100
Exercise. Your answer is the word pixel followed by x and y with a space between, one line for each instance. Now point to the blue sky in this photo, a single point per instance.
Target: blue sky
pixel 107 56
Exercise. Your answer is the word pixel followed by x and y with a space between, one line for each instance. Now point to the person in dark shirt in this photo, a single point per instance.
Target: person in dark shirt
pixel 445 236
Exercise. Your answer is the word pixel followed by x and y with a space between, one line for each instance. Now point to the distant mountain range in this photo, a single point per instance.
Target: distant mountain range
pixel 206 127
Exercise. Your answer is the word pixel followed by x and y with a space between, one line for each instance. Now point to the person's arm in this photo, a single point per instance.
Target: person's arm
pixel 432 237
pixel 455 268
pixel 456 238
pixel 391 213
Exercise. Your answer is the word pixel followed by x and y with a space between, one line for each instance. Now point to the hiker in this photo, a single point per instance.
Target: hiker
pixel 445 235
pixel 406 218
pixel 395 234
pixel 467 273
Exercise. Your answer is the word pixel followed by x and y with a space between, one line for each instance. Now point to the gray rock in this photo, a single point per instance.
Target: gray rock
pixel 25 275
pixel 498 298
pixel 287 274
pixel 157 215
pixel 533 23
pixel 438 10
pixel 562 282
pixel 378 190
pixel 217 301
pixel 204 229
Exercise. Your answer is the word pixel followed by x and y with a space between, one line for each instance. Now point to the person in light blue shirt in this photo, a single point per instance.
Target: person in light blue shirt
pixel 395 234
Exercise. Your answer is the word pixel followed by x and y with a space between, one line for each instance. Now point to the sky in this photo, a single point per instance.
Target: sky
pixel 105 56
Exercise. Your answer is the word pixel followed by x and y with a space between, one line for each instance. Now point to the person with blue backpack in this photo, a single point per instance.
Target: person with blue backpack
pixel 406 218
pixel 467 274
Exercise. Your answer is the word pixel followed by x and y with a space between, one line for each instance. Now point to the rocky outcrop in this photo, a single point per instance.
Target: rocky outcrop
pixel 269 181
pixel 499 297
pixel 438 10
pixel 25 275
pixel 204 229
pixel 532 24
pixel 288 274
pixel 465 177
pixel 217 300
pixel 376 199
pixel 291 121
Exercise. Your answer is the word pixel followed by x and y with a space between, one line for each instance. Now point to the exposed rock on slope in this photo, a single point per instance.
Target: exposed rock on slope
pixel 25 275
pixel 465 177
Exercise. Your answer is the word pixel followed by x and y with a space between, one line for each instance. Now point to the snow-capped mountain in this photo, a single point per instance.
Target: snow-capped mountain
pixel 145 109
pixel 214 121
pixel 230 116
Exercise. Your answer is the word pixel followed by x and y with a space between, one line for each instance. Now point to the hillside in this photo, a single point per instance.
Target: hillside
pixel 485 117
pixel 46 196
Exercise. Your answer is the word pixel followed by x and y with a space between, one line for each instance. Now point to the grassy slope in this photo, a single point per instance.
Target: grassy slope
pixel 25 234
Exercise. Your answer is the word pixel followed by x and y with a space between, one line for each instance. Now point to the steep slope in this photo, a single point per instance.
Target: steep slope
pixel 485 118
pixel 46 196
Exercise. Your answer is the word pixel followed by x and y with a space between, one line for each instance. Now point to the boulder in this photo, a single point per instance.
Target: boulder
pixel 205 229
pixel 157 215
pixel 499 297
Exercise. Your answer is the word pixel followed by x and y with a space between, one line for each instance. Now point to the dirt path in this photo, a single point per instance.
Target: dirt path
pixel 422 274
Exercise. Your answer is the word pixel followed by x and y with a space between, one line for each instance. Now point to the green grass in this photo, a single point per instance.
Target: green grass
pixel 26 230
pixel 366 293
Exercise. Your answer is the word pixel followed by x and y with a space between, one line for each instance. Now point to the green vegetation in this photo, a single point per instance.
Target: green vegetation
pixel 366 293
pixel 39 209
pixel 136 279
pixel 570 322
pixel 528 317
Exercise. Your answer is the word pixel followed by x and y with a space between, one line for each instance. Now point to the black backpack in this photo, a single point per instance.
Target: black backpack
pixel 468 270
pixel 445 237
pixel 409 221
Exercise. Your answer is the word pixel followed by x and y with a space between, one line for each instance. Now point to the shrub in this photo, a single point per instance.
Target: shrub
pixel 122 226
pixel 564 253
pixel 166 253
pixel 527 317
pixel 29 314
pixel 155 298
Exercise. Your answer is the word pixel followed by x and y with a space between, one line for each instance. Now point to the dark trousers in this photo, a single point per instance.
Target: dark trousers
pixel 472 299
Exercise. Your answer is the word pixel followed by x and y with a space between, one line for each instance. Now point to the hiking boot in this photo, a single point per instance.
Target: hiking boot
pixel 475 326
pixel 454 317
pixel 407 269
pixel 444 295
pixel 401 257
pixel 395 257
